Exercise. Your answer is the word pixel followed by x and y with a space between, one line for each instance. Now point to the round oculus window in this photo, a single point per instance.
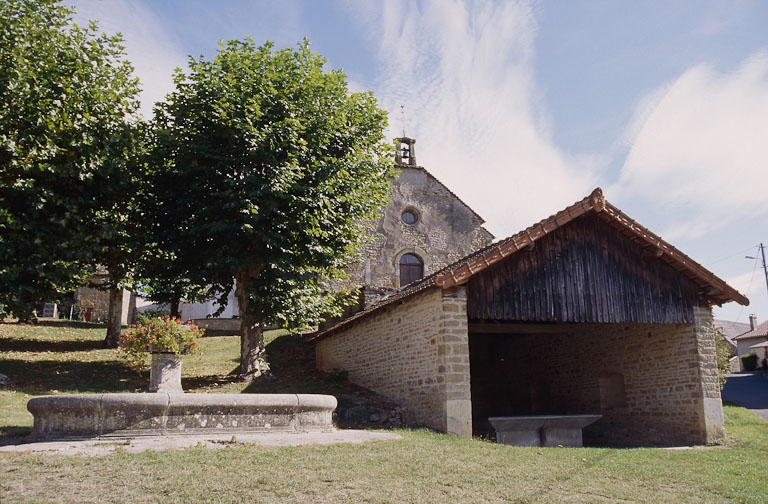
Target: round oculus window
pixel 409 217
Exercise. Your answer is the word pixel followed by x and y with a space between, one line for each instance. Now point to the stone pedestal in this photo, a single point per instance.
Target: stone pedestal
pixel 542 430
pixel 165 373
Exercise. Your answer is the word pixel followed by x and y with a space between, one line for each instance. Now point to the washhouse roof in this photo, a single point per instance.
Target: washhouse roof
pixel 711 288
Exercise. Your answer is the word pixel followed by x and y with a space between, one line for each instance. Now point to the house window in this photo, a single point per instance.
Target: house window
pixel 411 269
pixel 409 217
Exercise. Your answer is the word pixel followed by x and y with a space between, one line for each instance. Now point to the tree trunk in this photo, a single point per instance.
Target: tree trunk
pixel 251 347
pixel 113 318
pixel 175 307
pixel 252 364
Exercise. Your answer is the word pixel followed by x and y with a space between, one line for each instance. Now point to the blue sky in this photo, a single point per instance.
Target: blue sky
pixel 522 108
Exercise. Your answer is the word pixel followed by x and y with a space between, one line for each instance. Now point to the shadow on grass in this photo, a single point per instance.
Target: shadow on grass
pixel 77 324
pixel 208 381
pixel 12 434
pixel 292 369
pixel 56 346
pixel 220 332
pixel 44 377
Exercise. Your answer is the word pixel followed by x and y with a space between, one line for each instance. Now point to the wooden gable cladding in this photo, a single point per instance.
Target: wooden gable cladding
pixel 584 271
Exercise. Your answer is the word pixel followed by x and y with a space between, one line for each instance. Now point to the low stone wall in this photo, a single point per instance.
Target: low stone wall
pixel 218 324
pixel 128 415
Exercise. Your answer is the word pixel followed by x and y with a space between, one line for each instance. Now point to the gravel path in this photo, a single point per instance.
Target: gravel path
pixel 105 446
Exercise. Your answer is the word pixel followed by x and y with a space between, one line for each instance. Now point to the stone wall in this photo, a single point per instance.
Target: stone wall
pixel 446 230
pixel 654 384
pixel 415 354
pixel 218 324
pixel 95 303
pixel 712 420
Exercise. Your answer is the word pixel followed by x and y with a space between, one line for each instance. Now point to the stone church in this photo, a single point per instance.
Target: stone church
pixel 424 228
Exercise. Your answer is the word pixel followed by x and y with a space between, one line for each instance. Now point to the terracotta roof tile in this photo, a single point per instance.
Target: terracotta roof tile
pixel 761 331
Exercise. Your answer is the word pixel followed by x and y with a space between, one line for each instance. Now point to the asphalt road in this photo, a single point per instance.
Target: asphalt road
pixel 749 390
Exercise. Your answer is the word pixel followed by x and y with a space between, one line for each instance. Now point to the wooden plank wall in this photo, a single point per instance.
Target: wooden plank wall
pixel 585 271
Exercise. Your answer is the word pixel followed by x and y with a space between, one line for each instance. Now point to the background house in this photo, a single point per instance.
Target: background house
pixel 584 312
pixel 729 330
pixel 758 333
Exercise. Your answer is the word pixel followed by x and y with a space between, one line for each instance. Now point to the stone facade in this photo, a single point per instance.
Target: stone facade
pixel 654 384
pixel 95 302
pixel 416 354
pixel 445 229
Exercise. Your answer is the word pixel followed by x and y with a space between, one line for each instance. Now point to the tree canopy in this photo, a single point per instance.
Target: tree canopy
pixel 68 140
pixel 264 166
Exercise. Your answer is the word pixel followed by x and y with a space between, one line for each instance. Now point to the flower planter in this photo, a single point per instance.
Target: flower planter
pixel 165 373
pixel 165 339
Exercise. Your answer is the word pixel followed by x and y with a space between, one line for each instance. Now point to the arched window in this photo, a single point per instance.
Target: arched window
pixel 411 269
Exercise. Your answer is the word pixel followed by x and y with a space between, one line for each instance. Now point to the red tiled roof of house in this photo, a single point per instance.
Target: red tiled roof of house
pixel 761 331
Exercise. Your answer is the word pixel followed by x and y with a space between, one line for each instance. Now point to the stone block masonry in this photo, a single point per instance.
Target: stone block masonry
pixel 712 419
pixel 415 353
pixel 654 384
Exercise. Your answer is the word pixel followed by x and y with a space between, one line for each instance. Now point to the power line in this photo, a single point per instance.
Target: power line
pixel 765 269
pixel 731 256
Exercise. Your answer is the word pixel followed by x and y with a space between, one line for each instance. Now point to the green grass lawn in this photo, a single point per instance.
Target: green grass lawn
pixel 422 467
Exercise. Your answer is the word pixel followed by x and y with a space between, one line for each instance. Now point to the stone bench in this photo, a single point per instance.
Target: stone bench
pixel 129 415
pixel 542 430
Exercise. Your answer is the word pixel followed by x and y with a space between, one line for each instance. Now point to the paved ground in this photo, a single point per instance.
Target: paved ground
pixel 104 446
pixel 749 390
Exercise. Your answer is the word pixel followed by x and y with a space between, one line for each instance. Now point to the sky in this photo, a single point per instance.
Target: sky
pixel 522 108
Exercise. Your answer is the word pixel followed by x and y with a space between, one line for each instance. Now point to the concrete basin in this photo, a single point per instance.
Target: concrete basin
pixel 542 430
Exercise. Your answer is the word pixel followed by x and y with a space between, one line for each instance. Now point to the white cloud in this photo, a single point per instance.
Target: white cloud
pixel 153 53
pixel 700 148
pixel 752 285
pixel 464 73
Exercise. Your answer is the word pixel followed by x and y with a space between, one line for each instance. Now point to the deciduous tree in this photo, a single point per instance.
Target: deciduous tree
pixel 269 163
pixel 68 140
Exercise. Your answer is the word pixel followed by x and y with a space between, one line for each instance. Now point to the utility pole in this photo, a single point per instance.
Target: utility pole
pixel 765 269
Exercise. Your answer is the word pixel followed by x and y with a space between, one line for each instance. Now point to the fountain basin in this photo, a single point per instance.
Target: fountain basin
pixel 162 414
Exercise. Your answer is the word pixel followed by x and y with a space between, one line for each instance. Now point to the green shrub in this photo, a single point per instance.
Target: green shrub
pixel 749 361
pixel 153 312
pixel 723 353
